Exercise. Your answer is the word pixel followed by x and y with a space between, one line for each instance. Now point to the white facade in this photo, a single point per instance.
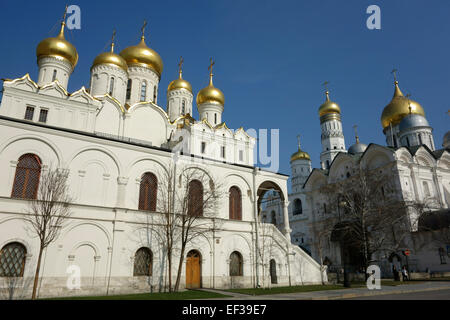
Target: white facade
pixel 106 142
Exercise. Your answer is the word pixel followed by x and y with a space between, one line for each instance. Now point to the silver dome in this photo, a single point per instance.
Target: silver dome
pixel 357 148
pixel 413 120
pixel 446 143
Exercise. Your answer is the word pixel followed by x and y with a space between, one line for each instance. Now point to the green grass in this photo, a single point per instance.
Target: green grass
pixel 277 290
pixel 186 295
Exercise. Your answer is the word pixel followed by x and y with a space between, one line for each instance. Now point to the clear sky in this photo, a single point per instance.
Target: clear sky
pixel 271 56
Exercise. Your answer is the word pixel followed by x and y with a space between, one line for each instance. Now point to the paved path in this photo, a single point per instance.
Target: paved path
pixel 342 293
pixel 423 295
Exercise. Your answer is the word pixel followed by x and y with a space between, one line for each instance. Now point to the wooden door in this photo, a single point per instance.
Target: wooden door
pixel 193 270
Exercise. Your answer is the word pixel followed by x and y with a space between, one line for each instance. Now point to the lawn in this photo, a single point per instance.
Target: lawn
pixel 277 290
pixel 186 295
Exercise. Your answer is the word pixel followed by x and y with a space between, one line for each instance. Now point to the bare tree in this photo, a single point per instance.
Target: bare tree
pixel 322 235
pixel 188 202
pixel 371 214
pixel 48 212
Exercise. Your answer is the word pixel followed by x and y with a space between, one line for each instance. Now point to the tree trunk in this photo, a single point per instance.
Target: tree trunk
pixel 36 275
pixel 169 262
pixel 180 267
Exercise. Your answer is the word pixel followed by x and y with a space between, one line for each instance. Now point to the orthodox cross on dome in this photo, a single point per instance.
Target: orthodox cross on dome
pixel 210 68
pixel 299 142
pixel 355 127
pixel 143 29
pixel 180 66
pixel 394 72
pixel 112 40
pixel 63 23
pixel 325 84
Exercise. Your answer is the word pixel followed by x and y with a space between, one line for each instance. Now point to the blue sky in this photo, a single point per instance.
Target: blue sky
pixel 271 56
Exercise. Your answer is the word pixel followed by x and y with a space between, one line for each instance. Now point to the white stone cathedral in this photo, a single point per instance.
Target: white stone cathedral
pixel 419 170
pixel 109 138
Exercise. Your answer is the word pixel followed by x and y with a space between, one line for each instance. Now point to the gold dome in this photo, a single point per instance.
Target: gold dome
pixel 59 48
pixel 329 107
pixel 141 55
pixel 210 94
pixel 110 58
pixel 398 108
pixel 300 155
pixel 180 83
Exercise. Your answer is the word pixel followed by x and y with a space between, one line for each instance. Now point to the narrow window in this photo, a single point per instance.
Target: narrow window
pixel 298 208
pixel 274 218
pixel 215 118
pixel 148 192
pixel 183 107
pixel 203 147
pixel 154 94
pixel 12 260
pixel 43 115
pixel 111 86
pixel 195 199
pixel 130 82
pixel 26 180
pixel 407 142
pixel 235 204
pixel 420 139
pixel 144 91
pixel 54 75
pixel 241 155
pixel 223 152
pixel 29 113
pixel 426 189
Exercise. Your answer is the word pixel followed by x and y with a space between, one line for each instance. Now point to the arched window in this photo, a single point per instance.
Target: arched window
pixel 148 192
pixel 144 91
pixel 420 139
pixel 298 208
pixel 54 75
pixel 111 86
pixel 215 118
pixel 183 107
pixel 154 94
pixel 236 265
pixel 195 198
pixel 26 181
pixel 274 217
pixel 235 204
pixel 129 84
pixel 273 272
pixel 12 260
pixel 143 263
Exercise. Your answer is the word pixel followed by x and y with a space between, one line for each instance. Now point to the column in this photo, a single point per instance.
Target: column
pixel 287 229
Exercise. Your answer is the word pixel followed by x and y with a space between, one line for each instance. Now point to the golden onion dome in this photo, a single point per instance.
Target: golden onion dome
pixel 329 107
pixel 141 55
pixel 300 154
pixel 180 83
pixel 210 94
pixel 110 58
pixel 398 108
pixel 59 48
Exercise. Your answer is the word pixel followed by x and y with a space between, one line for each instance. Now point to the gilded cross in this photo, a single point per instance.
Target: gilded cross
pixel 299 144
pixel 394 72
pixel 325 84
pixel 65 13
pixel 409 102
pixel 143 28
pixel 355 127
pixel 180 66
pixel 112 40
pixel 210 68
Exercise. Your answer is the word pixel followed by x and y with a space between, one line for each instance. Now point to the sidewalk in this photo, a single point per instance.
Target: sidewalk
pixel 341 293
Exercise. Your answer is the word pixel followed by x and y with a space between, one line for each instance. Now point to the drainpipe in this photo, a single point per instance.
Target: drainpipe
pixel 255 211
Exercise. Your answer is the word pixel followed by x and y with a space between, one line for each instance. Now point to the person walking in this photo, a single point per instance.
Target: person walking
pixel 405 273
pixel 395 272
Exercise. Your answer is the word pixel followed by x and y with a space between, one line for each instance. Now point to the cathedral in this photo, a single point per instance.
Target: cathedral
pixel 113 139
pixel 419 170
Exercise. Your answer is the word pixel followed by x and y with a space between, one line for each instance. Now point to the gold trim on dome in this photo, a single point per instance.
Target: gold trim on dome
pixel 300 155
pixel 210 94
pixel 110 58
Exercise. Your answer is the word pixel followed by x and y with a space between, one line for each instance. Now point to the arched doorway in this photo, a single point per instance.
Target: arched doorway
pixel 193 270
pixel 273 272
pixel 352 257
